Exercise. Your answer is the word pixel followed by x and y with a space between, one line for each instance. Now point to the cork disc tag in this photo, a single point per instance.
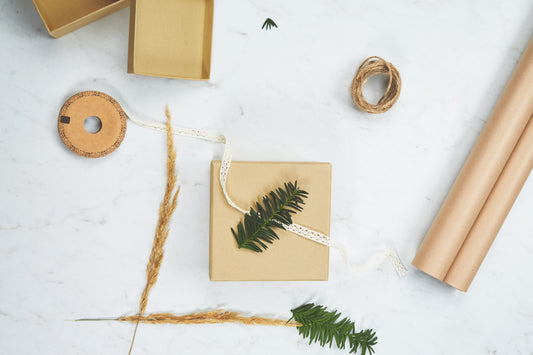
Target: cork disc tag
pixel 72 117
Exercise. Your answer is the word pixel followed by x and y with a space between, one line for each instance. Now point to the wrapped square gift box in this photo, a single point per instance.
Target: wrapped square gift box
pixel 291 257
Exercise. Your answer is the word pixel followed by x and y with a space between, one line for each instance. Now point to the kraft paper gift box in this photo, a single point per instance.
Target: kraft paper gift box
pixel 171 38
pixel 64 16
pixel 291 257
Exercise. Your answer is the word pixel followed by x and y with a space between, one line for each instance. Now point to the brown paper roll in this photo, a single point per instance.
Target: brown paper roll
pixel 480 172
pixel 493 213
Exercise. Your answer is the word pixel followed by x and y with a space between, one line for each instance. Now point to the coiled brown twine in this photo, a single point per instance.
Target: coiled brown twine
pixel 370 67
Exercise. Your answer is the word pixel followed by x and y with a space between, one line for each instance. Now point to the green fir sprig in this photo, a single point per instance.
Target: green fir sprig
pixel 275 212
pixel 268 24
pixel 324 327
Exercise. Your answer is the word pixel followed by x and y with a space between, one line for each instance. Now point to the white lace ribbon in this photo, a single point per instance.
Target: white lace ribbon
pixel 224 171
pixel 294 228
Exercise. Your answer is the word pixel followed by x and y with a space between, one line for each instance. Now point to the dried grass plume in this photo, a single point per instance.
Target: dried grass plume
pixel 211 317
pixel 166 209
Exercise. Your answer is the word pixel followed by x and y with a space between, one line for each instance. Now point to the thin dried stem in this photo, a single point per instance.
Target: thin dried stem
pixel 166 209
pixel 210 317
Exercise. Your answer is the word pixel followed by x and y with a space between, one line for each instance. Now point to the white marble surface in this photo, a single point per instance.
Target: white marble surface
pixel 75 233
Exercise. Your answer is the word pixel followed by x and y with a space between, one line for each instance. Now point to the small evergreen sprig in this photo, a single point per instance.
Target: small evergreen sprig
pixel 275 212
pixel 324 327
pixel 268 24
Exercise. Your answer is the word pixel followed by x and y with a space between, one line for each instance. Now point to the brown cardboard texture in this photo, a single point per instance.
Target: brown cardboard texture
pixel 479 175
pixel 171 38
pixel 64 16
pixel 493 213
pixel 291 257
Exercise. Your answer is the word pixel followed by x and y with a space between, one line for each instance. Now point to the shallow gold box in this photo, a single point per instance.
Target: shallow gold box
pixel 64 16
pixel 291 257
pixel 171 38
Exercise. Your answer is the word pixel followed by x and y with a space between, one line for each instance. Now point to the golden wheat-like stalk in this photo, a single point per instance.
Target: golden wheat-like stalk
pixel 210 317
pixel 166 209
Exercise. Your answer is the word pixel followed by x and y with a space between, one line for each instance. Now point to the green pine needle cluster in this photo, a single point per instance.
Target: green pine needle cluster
pixel 275 212
pixel 324 327
pixel 268 24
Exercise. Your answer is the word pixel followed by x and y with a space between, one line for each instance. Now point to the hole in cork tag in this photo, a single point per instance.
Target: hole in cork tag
pixel 375 87
pixel 92 124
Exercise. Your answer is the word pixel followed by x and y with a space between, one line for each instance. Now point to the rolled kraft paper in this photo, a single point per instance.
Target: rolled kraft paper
pixel 479 173
pixel 493 213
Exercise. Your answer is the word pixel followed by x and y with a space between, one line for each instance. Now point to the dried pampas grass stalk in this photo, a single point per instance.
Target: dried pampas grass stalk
pixel 211 317
pixel 166 209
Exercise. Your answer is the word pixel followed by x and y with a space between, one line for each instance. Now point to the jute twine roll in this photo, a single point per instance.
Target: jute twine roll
pixel 370 67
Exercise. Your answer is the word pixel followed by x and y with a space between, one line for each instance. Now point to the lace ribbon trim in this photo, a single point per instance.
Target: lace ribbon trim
pixel 223 177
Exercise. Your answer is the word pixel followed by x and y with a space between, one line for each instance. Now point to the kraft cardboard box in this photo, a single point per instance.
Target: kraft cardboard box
pixel 291 257
pixel 64 16
pixel 171 38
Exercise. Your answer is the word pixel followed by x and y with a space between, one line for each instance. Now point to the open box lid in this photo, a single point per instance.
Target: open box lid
pixel 171 38
pixel 64 16
pixel 168 38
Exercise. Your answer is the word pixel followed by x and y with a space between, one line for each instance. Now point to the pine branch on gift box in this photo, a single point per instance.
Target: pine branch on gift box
pixel 322 326
pixel 275 212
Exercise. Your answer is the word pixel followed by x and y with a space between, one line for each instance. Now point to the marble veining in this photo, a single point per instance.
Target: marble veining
pixel 75 233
